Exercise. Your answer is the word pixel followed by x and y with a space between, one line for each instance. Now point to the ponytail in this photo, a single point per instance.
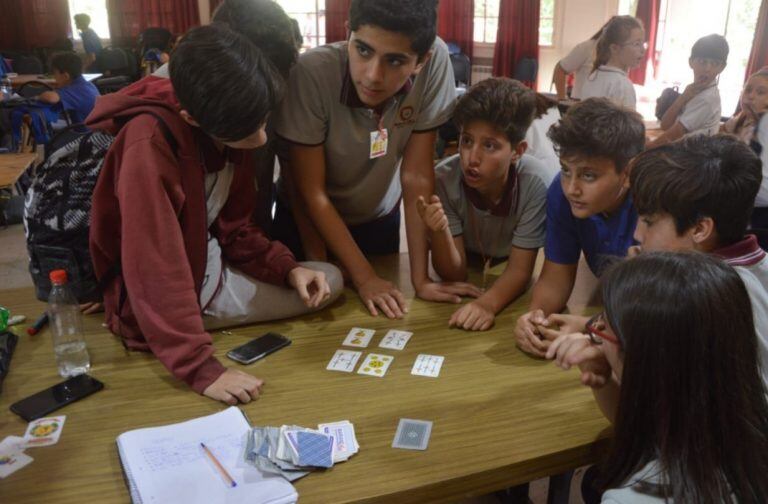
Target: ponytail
pixel 616 31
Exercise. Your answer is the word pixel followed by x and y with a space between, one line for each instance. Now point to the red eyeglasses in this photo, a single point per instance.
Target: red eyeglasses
pixel 596 330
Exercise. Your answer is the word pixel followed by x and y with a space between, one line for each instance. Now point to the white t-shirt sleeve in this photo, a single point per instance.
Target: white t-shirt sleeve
pixel 700 112
pixel 578 56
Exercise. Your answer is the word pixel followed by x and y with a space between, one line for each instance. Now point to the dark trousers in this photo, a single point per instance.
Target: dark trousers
pixel 378 237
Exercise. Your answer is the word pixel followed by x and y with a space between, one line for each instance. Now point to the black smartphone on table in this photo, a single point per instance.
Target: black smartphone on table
pixel 258 348
pixel 46 401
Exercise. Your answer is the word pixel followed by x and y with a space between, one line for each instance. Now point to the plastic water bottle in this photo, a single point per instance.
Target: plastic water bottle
pixel 6 88
pixel 67 327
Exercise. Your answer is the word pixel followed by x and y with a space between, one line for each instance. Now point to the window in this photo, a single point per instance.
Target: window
pixel 486 21
pixel 310 15
pixel 547 23
pixel 97 10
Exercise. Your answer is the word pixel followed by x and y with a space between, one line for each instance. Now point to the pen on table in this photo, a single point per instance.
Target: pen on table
pixel 38 326
pixel 229 479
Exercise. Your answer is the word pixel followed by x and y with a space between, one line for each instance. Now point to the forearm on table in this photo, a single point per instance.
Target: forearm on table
pixel 447 259
pixel 553 288
pixel 508 287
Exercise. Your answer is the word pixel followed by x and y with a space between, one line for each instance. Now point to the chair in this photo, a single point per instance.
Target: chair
pixel 33 88
pixel 155 38
pixel 526 70
pixel 27 64
pixel 462 69
pixel 118 67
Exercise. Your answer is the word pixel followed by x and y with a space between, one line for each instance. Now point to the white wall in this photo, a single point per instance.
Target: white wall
pixel 205 11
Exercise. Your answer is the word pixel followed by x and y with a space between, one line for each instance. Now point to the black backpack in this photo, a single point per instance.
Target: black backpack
pixel 57 210
pixel 665 100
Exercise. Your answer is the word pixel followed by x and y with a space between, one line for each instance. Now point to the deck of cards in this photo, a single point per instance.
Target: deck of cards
pixel 293 451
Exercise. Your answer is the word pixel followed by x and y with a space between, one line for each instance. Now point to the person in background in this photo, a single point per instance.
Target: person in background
pixel 73 95
pixel 621 46
pixel 753 104
pixel 539 144
pixel 579 63
pixel 91 41
pixel 698 109
pixel 672 363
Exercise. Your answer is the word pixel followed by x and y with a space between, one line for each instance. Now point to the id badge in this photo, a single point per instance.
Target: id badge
pixel 379 140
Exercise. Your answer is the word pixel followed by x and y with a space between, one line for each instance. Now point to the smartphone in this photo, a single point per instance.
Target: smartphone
pixel 44 402
pixel 258 348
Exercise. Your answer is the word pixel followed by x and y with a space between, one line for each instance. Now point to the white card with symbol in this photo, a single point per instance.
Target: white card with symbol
pixel 427 365
pixel 396 340
pixel 358 337
pixel 375 365
pixel 344 361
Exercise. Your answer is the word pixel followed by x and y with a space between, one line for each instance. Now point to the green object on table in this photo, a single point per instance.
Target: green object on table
pixel 3 318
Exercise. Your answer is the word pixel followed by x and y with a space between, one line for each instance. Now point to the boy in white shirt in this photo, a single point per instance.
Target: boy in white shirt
pixel 697 110
pixel 620 47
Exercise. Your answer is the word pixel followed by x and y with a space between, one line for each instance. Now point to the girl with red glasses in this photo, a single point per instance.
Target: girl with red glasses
pixel 673 364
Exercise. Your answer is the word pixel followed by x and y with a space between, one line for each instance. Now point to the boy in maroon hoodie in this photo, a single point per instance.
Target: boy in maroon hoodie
pixel 172 213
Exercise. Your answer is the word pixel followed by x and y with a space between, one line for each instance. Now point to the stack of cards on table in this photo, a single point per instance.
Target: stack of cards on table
pixel 293 451
pixel 41 432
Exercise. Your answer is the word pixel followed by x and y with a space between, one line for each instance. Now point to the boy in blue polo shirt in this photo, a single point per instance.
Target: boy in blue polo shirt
pixel 589 208
pixel 91 40
pixel 74 95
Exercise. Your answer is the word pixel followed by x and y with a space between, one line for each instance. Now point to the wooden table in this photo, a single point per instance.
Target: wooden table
pixel 12 166
pixel 21 79
pixel 500 417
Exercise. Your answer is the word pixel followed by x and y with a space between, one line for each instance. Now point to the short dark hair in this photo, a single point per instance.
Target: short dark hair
pixel 417 19
pixel 505 103
pixel 223 81
pixel 690 381
pixel 67 62
pixel 712 46
pixel 83 19
pixel 696 177
pixel 266 25
pixel 597 127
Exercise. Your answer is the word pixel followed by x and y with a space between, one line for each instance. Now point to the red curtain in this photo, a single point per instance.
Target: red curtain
pixel 517 37
pixel 26 24
pixel 648 13
pixel 128 18
pixel 758 57
pixel 336 14
pixel 214 4
pixel 455 23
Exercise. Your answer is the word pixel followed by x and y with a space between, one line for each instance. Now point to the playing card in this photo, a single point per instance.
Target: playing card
pixel 358 337
pixel 395 340
pixel 44 431
pixel 344 360
pixel 375 365
pixel 427 365
pixel 12 462
pixel 12 444
pixel 412 434
pixel 315 449
pixel 344 441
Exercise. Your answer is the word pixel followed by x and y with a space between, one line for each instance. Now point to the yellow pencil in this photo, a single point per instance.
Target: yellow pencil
pixel 229 479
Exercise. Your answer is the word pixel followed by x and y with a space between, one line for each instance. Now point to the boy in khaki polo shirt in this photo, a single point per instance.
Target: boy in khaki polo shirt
pixel 359 120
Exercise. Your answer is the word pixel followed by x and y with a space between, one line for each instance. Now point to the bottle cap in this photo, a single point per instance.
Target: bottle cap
pixel 58 277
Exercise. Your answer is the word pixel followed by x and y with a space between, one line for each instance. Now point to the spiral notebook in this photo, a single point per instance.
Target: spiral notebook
pixel 167 465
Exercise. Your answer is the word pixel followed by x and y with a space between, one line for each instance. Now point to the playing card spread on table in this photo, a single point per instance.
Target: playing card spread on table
pixel 344 361
pixel 412 434
pixel 12 462
pixel 344 441
pixel 427 365
pixel 375 365
pixel 396 340
pixel 44 431
pixel 358 337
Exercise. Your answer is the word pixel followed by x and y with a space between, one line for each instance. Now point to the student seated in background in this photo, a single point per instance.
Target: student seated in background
pixel 579 63
pixel 621 47
pixel 539 144
pixel 91 41
pixel 73 95
pixel 490 198
pixel 589 208
pixel 697 110
pixel 672 362
pixel 173 208
pixel 360 121
pixel 753 103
